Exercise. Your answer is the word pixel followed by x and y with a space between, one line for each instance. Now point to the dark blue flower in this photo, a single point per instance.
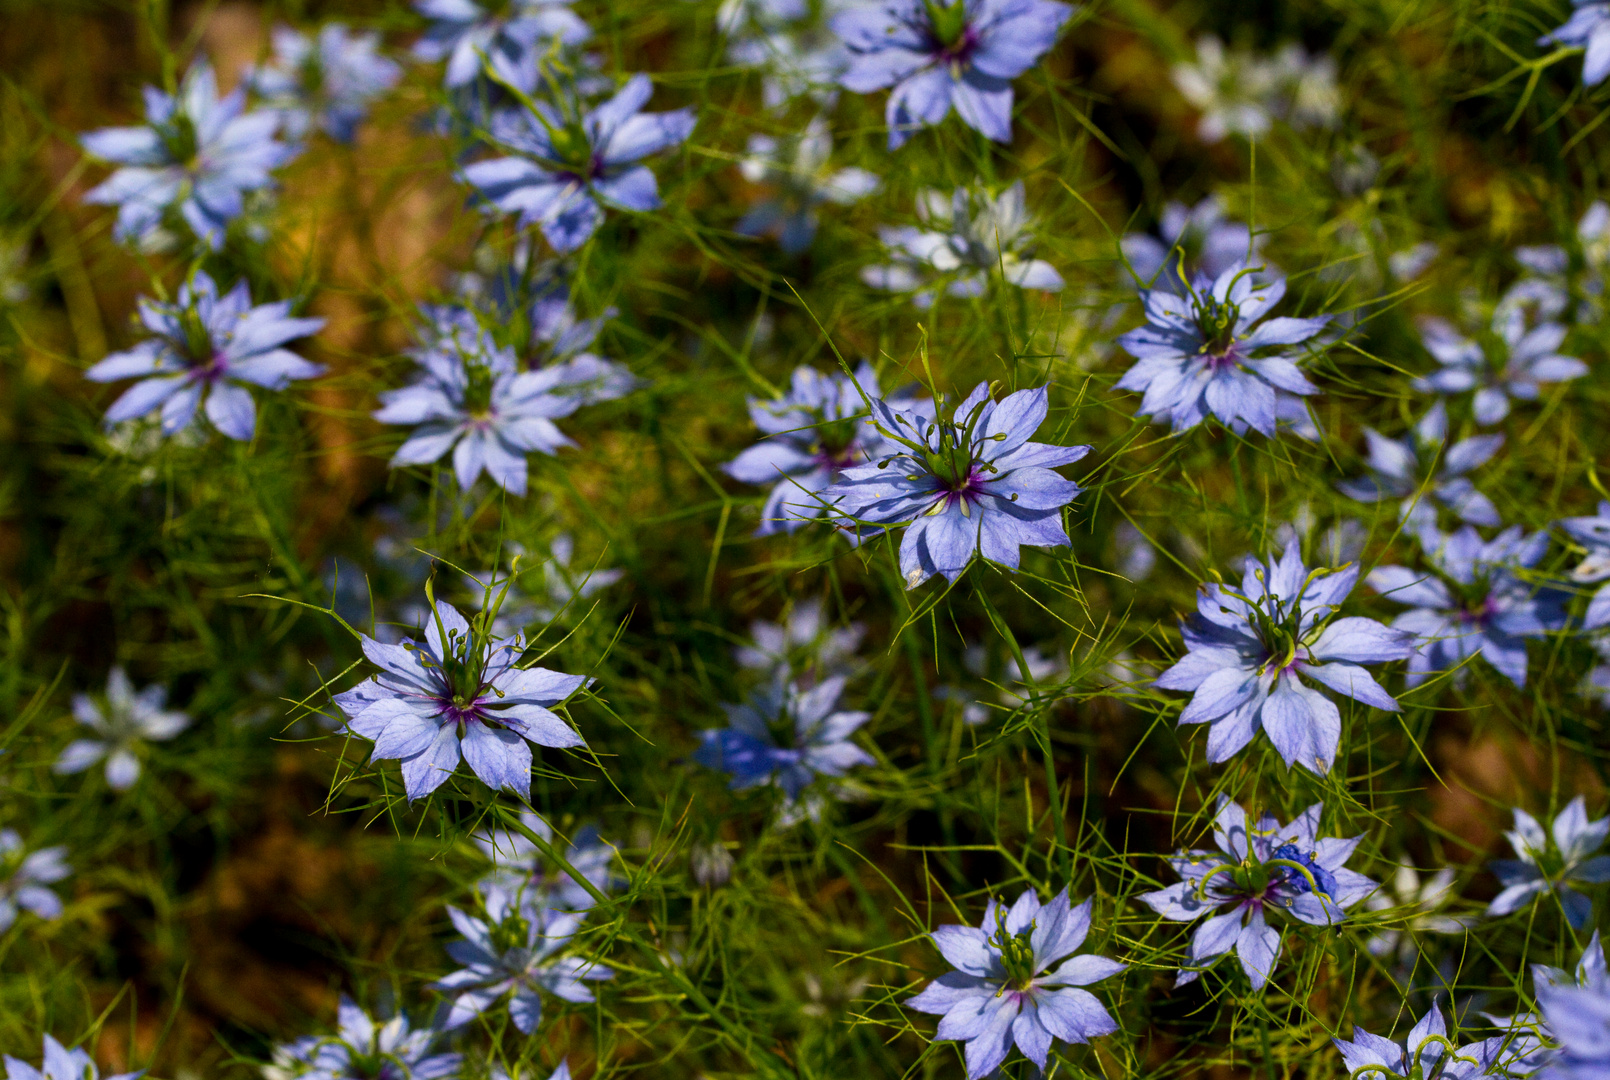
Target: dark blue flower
pixel 325 83
pixel 936 54
pixel 785 736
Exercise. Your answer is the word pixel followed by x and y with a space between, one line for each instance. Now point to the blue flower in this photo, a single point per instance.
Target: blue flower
pixel 1426 1052
pixel 23 879
pixel 1004 990
pixel 970 482
pixel 207 350
pixel 1482 608
pixel 458 693
pixel 1575 1013
pixel 1593 533
pixel 805 643
pixel 813 433
pixel 567 165
pixel 1512 362
pixel 196 155
pixel 519 868
pixel 472 398
pixel 61 1064
pixel 540 588
pixel 1249 651
pixel 1267 867
pixel 1425 473
pixel 126 722
pixel 1588 28
pixel 363 1050
pixel 800 57
pixel 325 83
pixel 1551 273
pixel 462 31
pixel 518 950
pixel 978 236
pixel 1210 352
pixel 1542 867
pixel 1210 242
pixel 785 736
pixel 935 54
pixel 797 174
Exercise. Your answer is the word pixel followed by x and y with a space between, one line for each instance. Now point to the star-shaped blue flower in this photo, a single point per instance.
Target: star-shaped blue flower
pixel 1425 473
pixel 786 736
pixel 325 82
pixel 1541 867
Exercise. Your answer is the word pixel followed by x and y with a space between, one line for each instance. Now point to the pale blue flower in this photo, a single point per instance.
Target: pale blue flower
pixel 61 1064
pixel 1259 868
pixel 463 31
pixel 786 736
pixel 24 879
pixel 520 869
pixel 966 483
pixel 1542 867
pixel 1588 29
pixel 207 350
pixel 935 55
pixel 1018 979
pixel 196 155
pixel 1250 649
pixel 364 1050
pixel 1425 473
pixel 1427 1051
pixel 1593 533
pixel 805 644
pixel 798 180
pixel 325 82
pixel 121 728
pixel 1513 362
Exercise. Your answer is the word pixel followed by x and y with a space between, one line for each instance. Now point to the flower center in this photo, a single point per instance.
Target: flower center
pixel 1017 953
pixel 948 24
pixel 836 444
pixel 478 382
pixel 1216 323
pixel 512 933
pixel 179 139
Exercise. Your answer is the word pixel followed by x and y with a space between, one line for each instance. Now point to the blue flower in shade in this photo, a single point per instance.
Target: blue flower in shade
pixel 785 736
pixel 813 433
pixel 1542 867
pixel 1513 362
pixel 24 877
pixel 1588 28
pixel 1427 1051
pixel 61 1064
pixel 1004 989
pixel 458 693
pixel 325 82
pixel 520 869
pixel 795 171
pixel 472 398
pixel 196 155
pixel 1249 652
pixel 540 589
pixel 518 950
pixel 1212 351
pixel 969 482
pixel 207 350
pixel 1265 867
pixel 363 1050
pixel 978 236
pixel 462 31
pixel 125 723
pixel 1550 269
pixel 1479 605
pixel 567 165
pixel 935 54
pixel 1425 472
pixel 1209 241
pixel 1593 533
pixel 804 644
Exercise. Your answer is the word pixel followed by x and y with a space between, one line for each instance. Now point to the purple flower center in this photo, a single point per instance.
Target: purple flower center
pixel 952 36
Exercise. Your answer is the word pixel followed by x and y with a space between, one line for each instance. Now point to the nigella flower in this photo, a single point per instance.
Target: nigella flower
pixel 121 727
pixel 324 83
pixel 518 950
pixel 1004 989
pixel 812 434
pixel 1555 270
pixel 1588 29
pixel 1425 473
pixel 1593 533
pixel 785 736
pixel 472 398
pixel 62 1064
pixel 363 1050
pixel 520 869
pixel 1577 1017
pixel 1478 606
pixel 568 164
pixel 1512 362
pixel 1542 867
pixel 24 877
pixel 796 172
pixel 462 31
pixel 1210 242
pixel 207 350
pixel 976 236
pixel 804 644
pixel 1213 351
pixel 936 54
pixel 1427 1051
pixel 1421 902
pixel 196 155
pixel 1249 650
pixel 964 483
pixel 458 693
pixel 1258 869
